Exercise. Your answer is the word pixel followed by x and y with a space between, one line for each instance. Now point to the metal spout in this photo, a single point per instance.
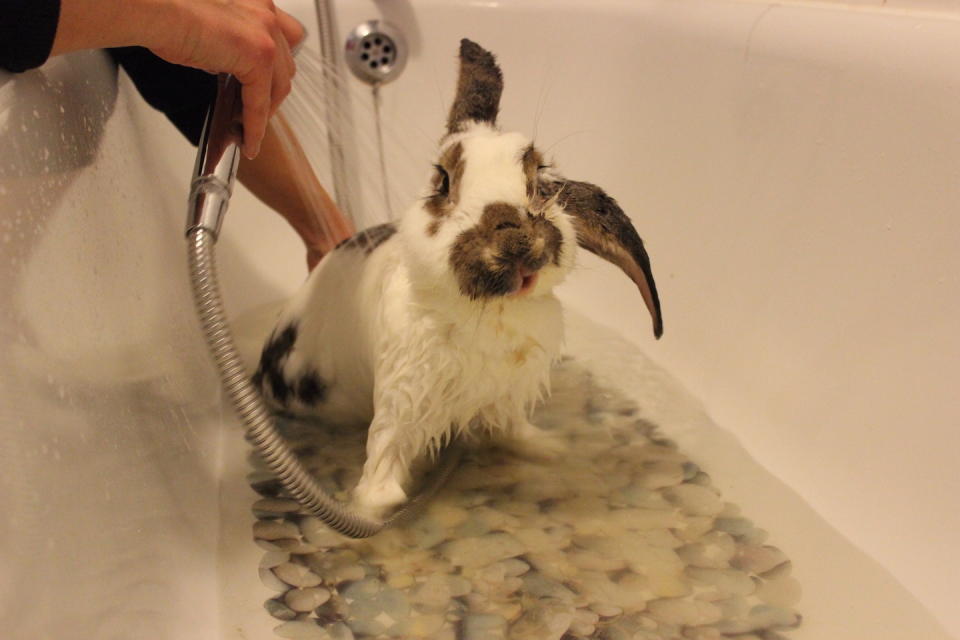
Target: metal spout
pixel 218 157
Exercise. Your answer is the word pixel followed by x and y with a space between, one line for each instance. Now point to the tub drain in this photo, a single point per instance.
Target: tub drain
pixel 376 52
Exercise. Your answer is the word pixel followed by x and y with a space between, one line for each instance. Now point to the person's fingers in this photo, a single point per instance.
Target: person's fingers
pixel 282 74
pixel 292 29
pixel 256 113
pixel 250 39
pixel 256 94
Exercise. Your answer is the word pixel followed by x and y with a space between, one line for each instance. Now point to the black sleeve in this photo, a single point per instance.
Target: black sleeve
pixel 182 93
pixel 27 29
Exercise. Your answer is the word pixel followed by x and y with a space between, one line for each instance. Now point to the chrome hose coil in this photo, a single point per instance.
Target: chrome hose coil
pixel 261 428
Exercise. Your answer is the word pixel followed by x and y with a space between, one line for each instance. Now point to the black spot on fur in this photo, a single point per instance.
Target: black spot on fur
pixel 311 389
pixel 272 359
pixel 369 239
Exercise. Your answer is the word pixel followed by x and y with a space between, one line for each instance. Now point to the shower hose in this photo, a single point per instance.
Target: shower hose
pixel 217 159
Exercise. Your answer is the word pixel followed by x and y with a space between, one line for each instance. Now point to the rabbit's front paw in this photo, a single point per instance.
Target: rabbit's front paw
pixel 375 500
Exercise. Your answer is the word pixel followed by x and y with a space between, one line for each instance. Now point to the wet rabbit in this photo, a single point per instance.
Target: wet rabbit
pixel 446 323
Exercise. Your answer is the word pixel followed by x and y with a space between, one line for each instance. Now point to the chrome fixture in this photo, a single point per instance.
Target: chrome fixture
pixel 376 52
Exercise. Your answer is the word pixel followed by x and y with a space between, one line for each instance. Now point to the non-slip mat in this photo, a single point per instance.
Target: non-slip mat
pixel 620 538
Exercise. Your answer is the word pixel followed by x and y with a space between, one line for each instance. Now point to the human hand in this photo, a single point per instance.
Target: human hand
pixel 250 39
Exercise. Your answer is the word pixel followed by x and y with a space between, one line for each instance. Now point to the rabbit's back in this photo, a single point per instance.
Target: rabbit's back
pixel 319 359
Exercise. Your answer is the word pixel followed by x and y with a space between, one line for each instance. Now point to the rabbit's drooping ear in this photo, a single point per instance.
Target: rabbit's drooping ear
pixel 478 88
pixel 605 230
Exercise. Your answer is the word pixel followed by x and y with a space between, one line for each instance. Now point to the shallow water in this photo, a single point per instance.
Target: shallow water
pixel 846 594
pixel 622 537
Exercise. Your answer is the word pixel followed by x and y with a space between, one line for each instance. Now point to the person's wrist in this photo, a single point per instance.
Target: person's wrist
pixel 94 24
pixel 150 23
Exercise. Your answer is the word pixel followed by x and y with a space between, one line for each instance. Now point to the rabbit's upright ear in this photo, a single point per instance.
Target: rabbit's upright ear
pixel 478 88
pixel 605 230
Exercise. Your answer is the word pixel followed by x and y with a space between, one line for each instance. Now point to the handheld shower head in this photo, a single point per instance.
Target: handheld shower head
pixel 218 157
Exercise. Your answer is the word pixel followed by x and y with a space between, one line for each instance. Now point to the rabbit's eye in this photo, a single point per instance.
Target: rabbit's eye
pixel 443 187
pixel 542 184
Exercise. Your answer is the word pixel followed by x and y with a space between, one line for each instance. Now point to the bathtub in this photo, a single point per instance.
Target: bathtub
pixel 792 168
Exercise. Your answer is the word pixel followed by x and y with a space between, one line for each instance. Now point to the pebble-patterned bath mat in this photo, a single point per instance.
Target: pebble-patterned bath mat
pixel 623 538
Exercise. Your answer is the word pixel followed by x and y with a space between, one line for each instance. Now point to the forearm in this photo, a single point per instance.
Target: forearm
pixel 282 179
pixel 100 24
pixel 250 39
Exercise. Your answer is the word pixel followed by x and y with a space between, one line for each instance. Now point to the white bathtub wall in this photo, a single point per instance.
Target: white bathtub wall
pixel 793 170
pixel 938 8
pixel 108 405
